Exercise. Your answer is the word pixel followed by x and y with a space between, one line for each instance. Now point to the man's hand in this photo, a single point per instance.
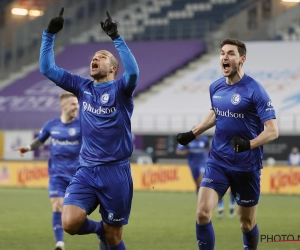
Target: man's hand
pixel 56 23
pixel 185 138
pixel 110 27
pixel 22 150
pixel 240 145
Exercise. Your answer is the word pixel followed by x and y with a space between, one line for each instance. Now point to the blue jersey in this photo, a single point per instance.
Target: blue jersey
pixel 105 109
pixel 241 110
pixel 197 151
pixel 65 144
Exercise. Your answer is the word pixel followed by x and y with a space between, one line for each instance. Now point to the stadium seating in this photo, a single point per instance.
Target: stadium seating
pixel 167 19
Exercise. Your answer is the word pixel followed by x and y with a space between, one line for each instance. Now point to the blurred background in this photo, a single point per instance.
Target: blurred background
pixel 176 44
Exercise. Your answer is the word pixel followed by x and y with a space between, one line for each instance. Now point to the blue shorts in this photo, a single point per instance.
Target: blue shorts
pixel 57 186
pixel 109 185
pixel 197 171
pixel 245 186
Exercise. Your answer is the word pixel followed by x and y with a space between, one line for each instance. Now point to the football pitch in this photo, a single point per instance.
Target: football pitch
pixel 159 221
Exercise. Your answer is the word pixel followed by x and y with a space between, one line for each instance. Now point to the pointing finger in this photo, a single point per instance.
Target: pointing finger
pixel 108 15
pixel 61 12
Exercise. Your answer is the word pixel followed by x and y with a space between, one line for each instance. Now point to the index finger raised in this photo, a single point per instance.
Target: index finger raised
pixel 61 11
pixel 108 15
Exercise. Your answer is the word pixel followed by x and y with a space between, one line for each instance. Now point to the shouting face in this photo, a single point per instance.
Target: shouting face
pixel 101 65
pixel 230 60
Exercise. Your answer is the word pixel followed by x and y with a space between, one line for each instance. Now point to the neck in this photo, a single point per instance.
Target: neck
pixel 235 78
pixel 66 119
pixel 103 79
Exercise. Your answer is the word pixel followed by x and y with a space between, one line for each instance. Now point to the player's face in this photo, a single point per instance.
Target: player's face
pixel 70 107
pixel 230 60
pixel 100 65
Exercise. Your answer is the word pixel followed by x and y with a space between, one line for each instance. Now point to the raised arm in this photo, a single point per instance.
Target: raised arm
pixel 47 61
pixel 131 68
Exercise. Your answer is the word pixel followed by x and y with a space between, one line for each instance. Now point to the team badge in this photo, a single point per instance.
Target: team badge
pixel 110 216
pixel 236 99
pixel 72 131
pixel 104 98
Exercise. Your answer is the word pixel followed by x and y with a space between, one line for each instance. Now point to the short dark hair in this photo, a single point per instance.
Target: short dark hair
pixel 240 45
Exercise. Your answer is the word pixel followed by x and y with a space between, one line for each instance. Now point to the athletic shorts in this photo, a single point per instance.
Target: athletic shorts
pixel 57 186
pixel 197 170
pixel 109 186
pixel 245 186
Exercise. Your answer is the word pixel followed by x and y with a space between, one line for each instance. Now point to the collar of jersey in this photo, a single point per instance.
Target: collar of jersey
pixel 243 78
pixel 104 84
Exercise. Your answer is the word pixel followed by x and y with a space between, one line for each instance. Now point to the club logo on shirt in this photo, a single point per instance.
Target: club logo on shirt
pixel 236 99
pixel 104 98
pixel 72 131
pixel 269 104
pixel 110 216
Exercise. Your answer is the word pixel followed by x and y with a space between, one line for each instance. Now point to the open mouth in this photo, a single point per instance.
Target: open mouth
pixel 226 66
pixel 95 66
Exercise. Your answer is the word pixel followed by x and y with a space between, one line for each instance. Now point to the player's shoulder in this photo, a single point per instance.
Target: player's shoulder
pixel 218 82
pixel 252 84
pixel 52 121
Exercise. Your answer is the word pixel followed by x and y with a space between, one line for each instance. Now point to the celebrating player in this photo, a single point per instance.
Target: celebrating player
pixel 241 108
pixel 106 106
pixel 65 145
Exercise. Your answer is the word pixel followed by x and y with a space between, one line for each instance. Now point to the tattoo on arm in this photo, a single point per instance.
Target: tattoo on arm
pixel 36 144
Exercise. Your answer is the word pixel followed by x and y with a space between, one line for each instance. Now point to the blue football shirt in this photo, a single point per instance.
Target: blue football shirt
pixel 197 151
pixel 241 110
pixel 65 144
pixel 105 109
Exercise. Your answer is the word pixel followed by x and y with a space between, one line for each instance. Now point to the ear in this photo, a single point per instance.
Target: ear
pixel 113 69
pixel 243 59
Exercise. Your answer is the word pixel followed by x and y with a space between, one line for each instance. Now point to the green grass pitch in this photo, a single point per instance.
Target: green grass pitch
pixel 159 221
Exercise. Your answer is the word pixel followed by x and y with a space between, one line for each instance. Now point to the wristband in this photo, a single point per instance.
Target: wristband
pixel 28 147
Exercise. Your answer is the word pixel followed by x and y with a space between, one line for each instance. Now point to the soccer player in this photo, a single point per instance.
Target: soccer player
pixel 196 152
pixel 245 120
pixel 65 145
pixel 106 105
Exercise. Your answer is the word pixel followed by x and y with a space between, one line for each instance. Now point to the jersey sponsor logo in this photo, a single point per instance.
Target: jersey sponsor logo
pixel 207 180
pixel 104 98
pixel 228 113
pixel 72 131
pixel 236 99
pixel 53 132
pixel 110 217
pixel 247 201
pixel 88 93
pixel 217 96
pixel 64 143
pixel 270 106
pixel 88 108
